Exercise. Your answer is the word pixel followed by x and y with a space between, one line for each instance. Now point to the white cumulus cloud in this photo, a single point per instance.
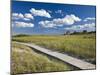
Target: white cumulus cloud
pixel 89 19
pixel 79 27
pixel 26 16
pixel 40 12
pixel 22 24
pixel 75 18
pixel 67 20
pixel 89 25
pixel 17 16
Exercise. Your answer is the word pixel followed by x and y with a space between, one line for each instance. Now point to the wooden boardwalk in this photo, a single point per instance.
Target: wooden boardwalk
pixel 64 57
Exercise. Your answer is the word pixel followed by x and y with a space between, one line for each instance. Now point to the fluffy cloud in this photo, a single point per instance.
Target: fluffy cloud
pixel 89 25
pixel 22 24
pixel 89 19
pixel 41 12
pixel 79 27
pixel 26 16
pixel 47 24
pixel 67 20
pixel 17 16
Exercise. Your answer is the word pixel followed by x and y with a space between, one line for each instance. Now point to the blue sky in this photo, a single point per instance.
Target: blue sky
pixel 51 18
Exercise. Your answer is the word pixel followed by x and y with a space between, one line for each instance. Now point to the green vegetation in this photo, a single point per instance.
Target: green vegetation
pixel 20 35
pixel 26 60
pixel 81 46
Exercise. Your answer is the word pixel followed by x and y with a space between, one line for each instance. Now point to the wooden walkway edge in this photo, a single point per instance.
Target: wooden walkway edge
pixel 64 57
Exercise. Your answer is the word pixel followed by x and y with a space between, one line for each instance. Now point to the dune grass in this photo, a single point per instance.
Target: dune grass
pixel 80 46
pixel 26 60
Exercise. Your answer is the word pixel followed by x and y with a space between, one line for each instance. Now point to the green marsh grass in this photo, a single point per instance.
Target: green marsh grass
pixel 26 60
pixel 81 46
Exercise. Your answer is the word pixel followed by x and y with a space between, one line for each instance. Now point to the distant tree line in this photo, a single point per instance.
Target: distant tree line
pixel 76 32
pixel 20 35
